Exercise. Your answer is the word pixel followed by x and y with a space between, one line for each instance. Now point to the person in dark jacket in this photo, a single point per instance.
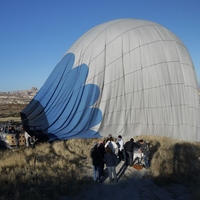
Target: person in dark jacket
pixel 111 163
pixel 103 151
pixel 97 162
pixel 145 150
pixel 129 148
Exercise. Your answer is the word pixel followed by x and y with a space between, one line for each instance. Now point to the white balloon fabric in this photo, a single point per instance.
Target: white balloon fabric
pixel 126 77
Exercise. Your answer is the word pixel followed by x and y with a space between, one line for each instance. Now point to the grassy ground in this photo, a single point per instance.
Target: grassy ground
pixel 52 170
pixel 11 110
pixel 6 119
pixel 46 172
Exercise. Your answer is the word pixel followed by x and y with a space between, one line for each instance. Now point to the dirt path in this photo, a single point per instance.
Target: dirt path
pixel 132 184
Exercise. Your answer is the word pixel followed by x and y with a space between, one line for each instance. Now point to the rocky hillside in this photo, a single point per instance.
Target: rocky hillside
pixel 18 97
pixel 12 103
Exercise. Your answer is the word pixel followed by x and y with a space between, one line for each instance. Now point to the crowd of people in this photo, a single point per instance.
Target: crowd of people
pixel 16 130
pixel 110 153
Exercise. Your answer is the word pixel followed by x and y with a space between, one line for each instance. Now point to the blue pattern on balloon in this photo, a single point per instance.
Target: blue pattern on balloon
pixel 67 102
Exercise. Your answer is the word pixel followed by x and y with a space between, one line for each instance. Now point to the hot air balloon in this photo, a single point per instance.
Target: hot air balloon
pixel 124 77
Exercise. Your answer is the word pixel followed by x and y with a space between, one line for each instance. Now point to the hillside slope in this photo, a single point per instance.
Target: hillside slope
pixel 12 103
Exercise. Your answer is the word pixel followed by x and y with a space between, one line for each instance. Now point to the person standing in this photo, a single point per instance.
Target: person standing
pixel 111 163
pixel 144 148
pixel 121 153
pixel 103 151
pixel 129 147
pixel 97 162
pixel 27 138
pixel 110 143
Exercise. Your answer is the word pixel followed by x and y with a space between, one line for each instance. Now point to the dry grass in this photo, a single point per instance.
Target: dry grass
pixel 174 161
pixel 48 171
pixel 6 119
pixel 55 169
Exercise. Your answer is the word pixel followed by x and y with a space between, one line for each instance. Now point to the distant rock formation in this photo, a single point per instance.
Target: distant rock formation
pixel 18 97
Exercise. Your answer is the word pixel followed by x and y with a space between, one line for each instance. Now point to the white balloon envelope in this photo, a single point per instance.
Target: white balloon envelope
pixel 126 77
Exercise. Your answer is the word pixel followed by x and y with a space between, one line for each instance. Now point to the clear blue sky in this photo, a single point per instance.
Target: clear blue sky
pixel 35 34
